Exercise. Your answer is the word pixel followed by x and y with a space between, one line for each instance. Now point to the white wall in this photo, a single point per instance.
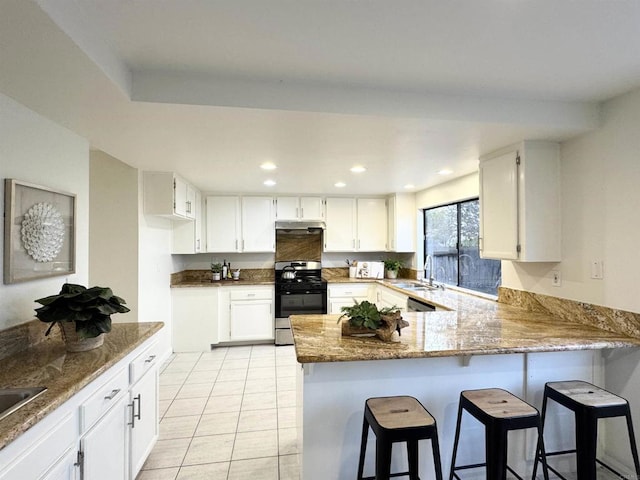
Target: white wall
pixel 113 229
pixel 458 189
pixel 36 150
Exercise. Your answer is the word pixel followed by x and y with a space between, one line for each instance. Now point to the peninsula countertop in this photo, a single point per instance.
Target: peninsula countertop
pixel 463 325
pixel 48 364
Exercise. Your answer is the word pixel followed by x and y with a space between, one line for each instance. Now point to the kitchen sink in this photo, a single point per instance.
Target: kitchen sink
pixel 11 399
pixel 416 287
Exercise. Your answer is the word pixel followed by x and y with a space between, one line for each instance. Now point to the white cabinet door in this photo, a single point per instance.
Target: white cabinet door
pixel 520 203
pixel 346 295
pixel 144 419
pixel 401 219
pixel 195 326
pixel 258 228
pixel 104 447
pixel 372 225
pixel 180 206
pixel 187 236
pixel 251 320
pixel 223 224
pixel 499 207
pixel 287 208
pixel 387 298
pixel 65 468
pixel 190 201
pixel 340 234
pixel 311 208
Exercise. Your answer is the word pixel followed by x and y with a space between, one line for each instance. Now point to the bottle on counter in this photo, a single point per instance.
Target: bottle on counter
pixel 225 270
pixel 229 271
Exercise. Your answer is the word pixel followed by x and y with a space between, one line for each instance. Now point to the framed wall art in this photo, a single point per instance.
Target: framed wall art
pixel 39 232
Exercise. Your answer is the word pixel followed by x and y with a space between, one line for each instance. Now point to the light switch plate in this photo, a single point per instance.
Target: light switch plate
pixel 597 269
pixel 556 278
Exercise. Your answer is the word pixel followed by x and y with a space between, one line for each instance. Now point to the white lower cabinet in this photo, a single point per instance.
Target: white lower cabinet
pixel 195 324
pixel 251 314
pixel 388 298
pixel 346 295
pixel 104 432
pixel 104 446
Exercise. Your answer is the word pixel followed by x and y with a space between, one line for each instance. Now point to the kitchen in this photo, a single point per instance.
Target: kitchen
pixel 599 175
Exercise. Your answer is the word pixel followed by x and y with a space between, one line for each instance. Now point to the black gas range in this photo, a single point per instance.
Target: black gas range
pixel 299 290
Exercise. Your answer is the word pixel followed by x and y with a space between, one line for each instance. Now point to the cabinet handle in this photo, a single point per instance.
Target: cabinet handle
pixel 150 359
pixel 297 215
pixel 353 243
pixel 139 398
pixel 348 293
pixel 198 245
pixel 113 394
pixel 133 414
pixel 301 212
pixel 236 244
pixel 79 460
pixel 251 294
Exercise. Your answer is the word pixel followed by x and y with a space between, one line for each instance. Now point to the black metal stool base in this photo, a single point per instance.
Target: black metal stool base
pixel 500 412
pixel 394 420
pixel 588 403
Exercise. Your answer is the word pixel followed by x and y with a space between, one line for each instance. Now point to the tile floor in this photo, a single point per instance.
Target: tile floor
pixel 228 414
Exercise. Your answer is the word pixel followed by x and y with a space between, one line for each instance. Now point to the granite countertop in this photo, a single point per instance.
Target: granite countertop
pixel 222 283
pixel 48 364
pixel 465 325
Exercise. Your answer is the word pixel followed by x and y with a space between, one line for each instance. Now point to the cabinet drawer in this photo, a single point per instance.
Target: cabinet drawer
pixel 142 363
pixel 103 399
pixel 264 294
pixel 349 291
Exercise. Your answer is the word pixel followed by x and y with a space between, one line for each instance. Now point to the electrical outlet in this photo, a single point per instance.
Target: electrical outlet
pixel 597 269
pixel 556 278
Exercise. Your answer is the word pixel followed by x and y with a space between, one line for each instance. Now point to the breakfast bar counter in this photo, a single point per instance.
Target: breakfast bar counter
pixel 467 343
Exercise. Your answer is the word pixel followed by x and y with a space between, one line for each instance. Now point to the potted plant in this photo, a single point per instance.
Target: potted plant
pixel 83 314
pixel 216 270
pixel 391 267
pixel 365 318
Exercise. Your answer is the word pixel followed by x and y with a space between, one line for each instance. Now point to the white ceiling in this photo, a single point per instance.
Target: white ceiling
pixel 212 88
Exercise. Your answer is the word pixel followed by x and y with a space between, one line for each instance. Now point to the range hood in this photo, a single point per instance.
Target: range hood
pixel 299 227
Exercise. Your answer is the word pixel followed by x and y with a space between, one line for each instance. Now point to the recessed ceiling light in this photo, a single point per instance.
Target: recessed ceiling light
pixel 409 186
pixel 340 184
pixel 269 183
pixel 445 171
pixel 268 166
pixel 358 169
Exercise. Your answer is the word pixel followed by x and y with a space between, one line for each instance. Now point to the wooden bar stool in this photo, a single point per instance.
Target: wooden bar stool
pixel 588 403
pixel 500 412
pixel 397 419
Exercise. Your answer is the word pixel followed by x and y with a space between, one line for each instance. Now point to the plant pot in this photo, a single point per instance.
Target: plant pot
pixel 348 330
pixel 76 344
pixel 216 276
pixel 391 273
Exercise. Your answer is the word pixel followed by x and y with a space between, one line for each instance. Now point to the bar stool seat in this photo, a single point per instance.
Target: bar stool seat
pixel 500 412
pixel 397 419
pixel 589 403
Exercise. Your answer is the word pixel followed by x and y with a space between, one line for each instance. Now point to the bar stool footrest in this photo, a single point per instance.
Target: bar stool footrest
pixel 401 474
pixel 479 465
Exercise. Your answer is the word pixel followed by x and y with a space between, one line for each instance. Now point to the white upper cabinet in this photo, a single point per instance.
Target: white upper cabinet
pixel 187 236
pixel 340 234
pixel 223 224
pixel 401 222
pixel 356 225
pixel 520 203
pixel 167 194
pixel 372 225
pixel 299 208
pixel 258 224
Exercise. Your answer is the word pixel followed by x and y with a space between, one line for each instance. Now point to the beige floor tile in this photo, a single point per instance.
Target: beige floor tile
pixel 262 362
pixel 176 367
pixel 235 363
pixel 287 398
pixel 223 403
pixel 186 406
pixel 218 423
pixel 286 371
pixel 216 352
pixel 254 469
pixel 208 471
pixel 286 383
pixel 177 378
pixel 159 474
pixel 187 357
pixel 238 352
pixel 178 427
pixel 252 420
pixel 163 406
pixel 287 417
pixel 287 441
pixel 208 365
pixel 259 444
pixel 261 373
pixel 167 453
pixel 232 375
pixel 195 390
pixel 263 351
pixel 205 376
pixel 260 385
pixel 209 449
pixel 169 392
pixel 289 468
pixel 228 388
pixel 259 401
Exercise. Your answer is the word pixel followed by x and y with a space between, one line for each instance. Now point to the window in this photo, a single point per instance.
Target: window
pixel 451 239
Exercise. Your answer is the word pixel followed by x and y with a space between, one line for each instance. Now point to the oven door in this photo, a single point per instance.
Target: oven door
pixel 300 303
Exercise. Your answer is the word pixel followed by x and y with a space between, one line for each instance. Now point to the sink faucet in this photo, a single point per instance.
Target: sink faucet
pixel 428 270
